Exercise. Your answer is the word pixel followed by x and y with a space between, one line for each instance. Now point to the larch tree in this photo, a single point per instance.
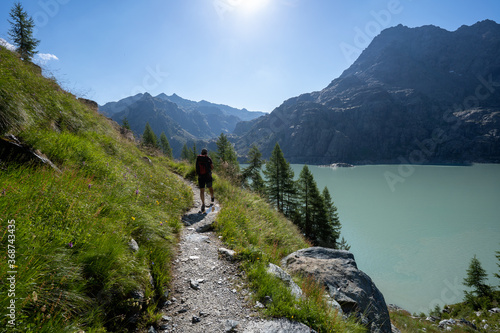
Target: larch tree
pixel 253 171
pixel 227 159
pixel 21 32
pixel 333 222
pixel 279 181
pixel 165 145
pixel 476 277
pixel 149 137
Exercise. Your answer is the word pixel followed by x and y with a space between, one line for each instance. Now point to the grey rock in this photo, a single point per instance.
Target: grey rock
pixel 194 284
pixel 494 310
pixel 13 150
pixel 394 329
pixel 195 319
pixel 152 330
pixel 351 288
pixel 195 238
pixel 205 228
pixel 230 325
pixel 277 326
pixel 133 246
pixel 227 254
pixel 285 277
pixel 259 305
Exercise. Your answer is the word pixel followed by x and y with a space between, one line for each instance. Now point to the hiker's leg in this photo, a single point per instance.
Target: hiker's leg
pixel 202 196
pixel 211 189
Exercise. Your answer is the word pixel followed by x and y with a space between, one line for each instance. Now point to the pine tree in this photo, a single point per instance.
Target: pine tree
pixel 165 145
pixel 279 182
pixel 333 221
pixel 252 172
pixel 194 153
pixel 185 153
pixel 226 156
pixel 476 277
pixel 308 195
pixel 21 32
pixel 149 137
pixel 125 123
pixel 497 275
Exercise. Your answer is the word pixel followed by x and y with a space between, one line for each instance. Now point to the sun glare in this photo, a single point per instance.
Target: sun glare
pixel 251 6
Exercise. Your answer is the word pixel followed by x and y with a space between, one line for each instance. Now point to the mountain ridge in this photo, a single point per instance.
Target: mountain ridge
pixel 406 86
pixel 183 121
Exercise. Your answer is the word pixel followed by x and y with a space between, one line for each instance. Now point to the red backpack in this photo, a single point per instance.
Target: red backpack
pixel 202 165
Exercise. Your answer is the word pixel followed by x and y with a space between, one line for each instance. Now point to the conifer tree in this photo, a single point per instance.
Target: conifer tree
pixel 125 123
pixel 252 172
pixel 333 222
pixel 308 196
pixel 149 137
pixel 476 277
pixel 21 32
pixel 226 156
pixel 185 153
pixel 194 153
pixel 165 145
pixel 497 275
pixel 279 181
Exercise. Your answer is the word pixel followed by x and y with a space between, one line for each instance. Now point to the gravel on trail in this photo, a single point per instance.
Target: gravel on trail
pixel 208 292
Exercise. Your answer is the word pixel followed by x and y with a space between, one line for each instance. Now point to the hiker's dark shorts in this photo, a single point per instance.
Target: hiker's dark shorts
pixel 205 180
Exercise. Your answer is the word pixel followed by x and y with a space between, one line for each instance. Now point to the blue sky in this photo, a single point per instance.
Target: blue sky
pixel 244 53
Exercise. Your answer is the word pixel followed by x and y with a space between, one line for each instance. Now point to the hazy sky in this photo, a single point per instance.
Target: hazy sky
pixel 244 53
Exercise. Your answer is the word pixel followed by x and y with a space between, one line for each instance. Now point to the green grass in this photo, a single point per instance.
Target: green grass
pixel 75 270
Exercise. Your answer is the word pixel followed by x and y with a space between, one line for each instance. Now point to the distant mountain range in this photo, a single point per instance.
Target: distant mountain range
pixel 182 120
pixel 415 95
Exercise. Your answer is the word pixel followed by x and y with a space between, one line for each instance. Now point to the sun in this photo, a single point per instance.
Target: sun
pixel 252 6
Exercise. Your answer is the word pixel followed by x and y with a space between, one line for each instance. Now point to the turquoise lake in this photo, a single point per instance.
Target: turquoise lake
pixel 414 229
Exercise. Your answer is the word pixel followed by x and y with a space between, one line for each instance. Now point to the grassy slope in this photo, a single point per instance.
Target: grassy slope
pixel 75 269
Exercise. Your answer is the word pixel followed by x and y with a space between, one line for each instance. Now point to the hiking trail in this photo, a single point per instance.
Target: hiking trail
pixel 208 292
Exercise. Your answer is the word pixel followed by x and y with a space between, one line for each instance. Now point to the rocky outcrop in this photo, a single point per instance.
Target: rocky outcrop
pixel 415 95
pixel 345 283
pixel 13 150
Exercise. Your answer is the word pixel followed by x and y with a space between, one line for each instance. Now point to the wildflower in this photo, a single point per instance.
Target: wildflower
pixel 83 163
pixel 161 223
pixel 70 244
pixel 133 218
pixel 137 192
pixel 157 202
pixel 90 185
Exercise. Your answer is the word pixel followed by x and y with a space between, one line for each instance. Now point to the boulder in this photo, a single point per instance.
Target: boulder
pixel 351 288
pixel 13 150
pixel 285 277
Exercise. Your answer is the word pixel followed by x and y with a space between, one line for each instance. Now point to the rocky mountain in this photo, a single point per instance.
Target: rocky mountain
pixel 182 120
pixel 415 95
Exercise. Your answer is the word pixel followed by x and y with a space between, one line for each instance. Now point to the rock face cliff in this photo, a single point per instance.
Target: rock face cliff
pixel 352 289
pixel 415 95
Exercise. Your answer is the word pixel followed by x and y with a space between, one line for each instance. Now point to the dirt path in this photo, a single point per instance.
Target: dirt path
pixel 207 290
pixel 208 293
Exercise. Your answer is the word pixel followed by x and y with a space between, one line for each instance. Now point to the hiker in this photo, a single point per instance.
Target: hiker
pixel 204 166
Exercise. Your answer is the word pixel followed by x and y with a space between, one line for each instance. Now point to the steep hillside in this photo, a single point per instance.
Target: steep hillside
pixel 415 95
pixel 90 239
